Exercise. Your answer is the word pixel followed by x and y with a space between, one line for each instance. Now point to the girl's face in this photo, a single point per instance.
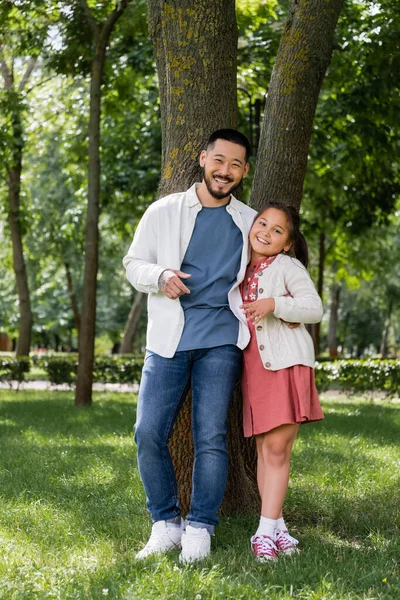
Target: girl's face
pixel 270 234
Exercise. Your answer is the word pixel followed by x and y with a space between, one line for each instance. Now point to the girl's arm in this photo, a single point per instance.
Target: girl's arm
pixel 303 305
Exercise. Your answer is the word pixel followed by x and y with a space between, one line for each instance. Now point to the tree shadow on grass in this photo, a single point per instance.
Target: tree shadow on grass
pixel 58 416
pixel 380 423
pixel 76 466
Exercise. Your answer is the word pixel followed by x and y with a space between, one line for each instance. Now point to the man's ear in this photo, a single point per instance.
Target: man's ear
pixel 246 170
pixel 202 159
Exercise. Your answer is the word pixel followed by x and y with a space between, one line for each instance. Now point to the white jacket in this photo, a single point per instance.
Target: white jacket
pixel 278 345
pixel 160 243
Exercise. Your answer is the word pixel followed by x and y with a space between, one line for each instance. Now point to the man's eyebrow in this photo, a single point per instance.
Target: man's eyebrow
pixel 223 156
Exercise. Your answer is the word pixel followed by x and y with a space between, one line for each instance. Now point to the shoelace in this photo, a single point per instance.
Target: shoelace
pixel 264 544
pixel 286 541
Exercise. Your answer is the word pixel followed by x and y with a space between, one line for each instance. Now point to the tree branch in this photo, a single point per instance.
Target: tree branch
pixel 5 71
pixel 94 26
pixel 112 19
pixel 26 76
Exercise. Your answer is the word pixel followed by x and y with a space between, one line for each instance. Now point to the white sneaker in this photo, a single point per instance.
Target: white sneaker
pixel 164 536
pixel 196 544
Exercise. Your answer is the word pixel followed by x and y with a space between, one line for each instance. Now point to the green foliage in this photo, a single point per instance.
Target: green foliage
pixel 107 369
pixel 362 377
pixel 13 369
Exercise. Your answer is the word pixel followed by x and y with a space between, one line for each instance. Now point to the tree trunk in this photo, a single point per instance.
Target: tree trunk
pixel 303 57
pixel 384 346
pixel 84 381
pixel 131 324
pixel 14 170
pixel 333 321
pixel 21 277
pixel 73 299
pixel 195 51
pixel 316 327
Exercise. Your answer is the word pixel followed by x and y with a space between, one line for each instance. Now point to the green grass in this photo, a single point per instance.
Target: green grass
pixel 72 510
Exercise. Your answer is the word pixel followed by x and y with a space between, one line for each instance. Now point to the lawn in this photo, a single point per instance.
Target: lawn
pixel 72 510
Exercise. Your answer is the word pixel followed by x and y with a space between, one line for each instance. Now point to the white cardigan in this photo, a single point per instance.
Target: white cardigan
pixel 279 346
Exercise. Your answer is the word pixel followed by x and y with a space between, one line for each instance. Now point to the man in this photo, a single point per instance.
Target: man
pixel 189 254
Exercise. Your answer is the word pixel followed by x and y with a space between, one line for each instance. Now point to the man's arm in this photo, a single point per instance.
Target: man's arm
pixel 141 262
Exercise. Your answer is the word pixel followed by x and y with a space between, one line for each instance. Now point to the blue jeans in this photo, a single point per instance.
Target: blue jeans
pixel 212 374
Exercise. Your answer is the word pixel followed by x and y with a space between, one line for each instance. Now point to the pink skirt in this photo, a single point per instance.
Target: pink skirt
pixel 273 398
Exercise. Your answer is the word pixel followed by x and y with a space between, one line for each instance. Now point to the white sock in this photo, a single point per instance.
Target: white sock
pixel 266 527
pixel 280 524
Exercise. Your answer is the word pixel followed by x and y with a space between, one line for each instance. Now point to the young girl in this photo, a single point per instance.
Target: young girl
pixel 278 379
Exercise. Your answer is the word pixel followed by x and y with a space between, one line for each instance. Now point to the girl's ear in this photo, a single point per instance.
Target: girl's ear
pixel 288 246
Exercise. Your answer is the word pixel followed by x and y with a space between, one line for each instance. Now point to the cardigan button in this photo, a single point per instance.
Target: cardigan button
pixel 268 364
pixel 259 327
pixel 261 290
pixel 261 347
pixel 259 273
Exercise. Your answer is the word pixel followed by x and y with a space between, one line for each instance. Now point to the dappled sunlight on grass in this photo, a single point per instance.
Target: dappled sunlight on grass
pixel 72 509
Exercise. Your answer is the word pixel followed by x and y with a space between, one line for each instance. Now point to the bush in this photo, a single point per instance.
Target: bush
pixel 13 369
pixel 359 376
pixel 107 369
pixel 351 376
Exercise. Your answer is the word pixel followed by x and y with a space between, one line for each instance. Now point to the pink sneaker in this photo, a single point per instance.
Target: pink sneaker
pixel 284 542
pixel 263 548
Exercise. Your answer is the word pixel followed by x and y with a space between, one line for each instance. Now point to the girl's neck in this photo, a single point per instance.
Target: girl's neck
pixel 256 258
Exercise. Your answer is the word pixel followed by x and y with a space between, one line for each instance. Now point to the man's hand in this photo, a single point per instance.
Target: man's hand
pixel 255 311
pixel 171 285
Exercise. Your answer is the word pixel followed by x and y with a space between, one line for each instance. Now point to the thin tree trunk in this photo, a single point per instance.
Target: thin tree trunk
pixel 14 170
pixel 384 346
pixel 21 277
pixel 333 321
pixel 83 393
pixel 316 327
pixel 304 54
pixel 132 322
pixel 195 52
pixel 73 298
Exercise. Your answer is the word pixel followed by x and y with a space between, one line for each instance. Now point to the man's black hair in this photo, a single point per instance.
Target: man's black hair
pixel 230 135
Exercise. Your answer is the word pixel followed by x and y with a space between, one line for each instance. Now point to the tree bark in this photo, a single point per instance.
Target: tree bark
pixel 83 393
pixel 131 324
pixel 333 321
pixel 73 299
pixel 304 54
pixel 195 52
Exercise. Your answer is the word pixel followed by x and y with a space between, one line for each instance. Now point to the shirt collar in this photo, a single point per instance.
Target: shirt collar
pixel 192 199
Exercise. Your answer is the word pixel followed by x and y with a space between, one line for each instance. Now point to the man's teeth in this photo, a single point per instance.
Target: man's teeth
pixel 218 180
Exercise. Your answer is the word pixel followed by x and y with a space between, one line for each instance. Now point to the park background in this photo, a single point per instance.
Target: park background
pixel 72 509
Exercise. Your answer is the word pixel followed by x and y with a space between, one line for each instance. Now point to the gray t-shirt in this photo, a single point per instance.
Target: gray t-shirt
pixel 213 260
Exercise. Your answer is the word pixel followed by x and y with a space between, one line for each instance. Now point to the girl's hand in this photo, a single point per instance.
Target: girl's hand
pixel 255 311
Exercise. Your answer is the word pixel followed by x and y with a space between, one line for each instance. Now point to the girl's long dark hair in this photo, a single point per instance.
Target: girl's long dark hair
pixel 299 245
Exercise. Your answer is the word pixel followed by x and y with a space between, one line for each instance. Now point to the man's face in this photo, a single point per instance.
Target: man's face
pixel 224 166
